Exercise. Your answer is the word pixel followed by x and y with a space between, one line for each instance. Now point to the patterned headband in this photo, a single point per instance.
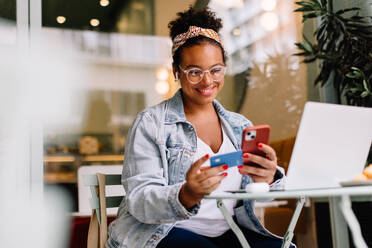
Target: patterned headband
pixel 194 31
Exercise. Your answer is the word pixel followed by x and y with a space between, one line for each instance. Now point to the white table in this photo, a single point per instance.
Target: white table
pixel 339 203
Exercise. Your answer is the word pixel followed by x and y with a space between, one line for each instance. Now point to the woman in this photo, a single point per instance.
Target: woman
pixel 166 174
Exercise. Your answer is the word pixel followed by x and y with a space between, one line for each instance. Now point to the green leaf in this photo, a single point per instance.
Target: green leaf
pixel 306 39
pixel 357 74
pixel 357 18
pixel 309 16
pixel 316 3
pixel 350 75
pixel 305 46
pixel 303 9
pixel 365 85
pixel 353 90
pixel 300 46
pixel 309 60
pixel 305 4
pixel 300 54
pixel 321 32
pixel 318 79
pixel 340 12
pixel 364 94
pixel 308 47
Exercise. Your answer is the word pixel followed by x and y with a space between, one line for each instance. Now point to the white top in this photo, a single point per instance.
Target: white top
pixel 209 221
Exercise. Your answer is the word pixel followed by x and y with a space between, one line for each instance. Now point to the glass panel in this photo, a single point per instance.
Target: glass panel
pixel 8 32
pixel 270 83
pixel 116 83
pixel 115 76
pixel 95 134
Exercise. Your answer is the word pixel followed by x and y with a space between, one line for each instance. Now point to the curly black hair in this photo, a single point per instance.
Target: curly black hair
pixel 203 18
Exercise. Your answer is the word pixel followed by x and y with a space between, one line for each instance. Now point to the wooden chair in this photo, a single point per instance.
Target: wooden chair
pixel 84 193
pixel 97 234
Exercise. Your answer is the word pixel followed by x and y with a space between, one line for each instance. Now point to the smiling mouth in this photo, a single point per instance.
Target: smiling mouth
pixel 206 91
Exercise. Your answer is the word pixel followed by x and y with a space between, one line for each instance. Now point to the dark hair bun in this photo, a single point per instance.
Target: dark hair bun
pixel 203 18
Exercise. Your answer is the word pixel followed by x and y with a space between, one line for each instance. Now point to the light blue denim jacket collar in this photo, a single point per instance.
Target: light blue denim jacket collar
pixel 175 113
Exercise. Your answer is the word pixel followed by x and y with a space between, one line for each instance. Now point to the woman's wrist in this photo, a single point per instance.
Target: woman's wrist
pixel 187 198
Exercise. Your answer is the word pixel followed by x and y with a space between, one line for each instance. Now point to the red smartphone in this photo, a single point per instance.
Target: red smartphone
pixel 254 135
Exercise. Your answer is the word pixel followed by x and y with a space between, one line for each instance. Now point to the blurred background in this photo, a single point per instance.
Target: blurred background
pixel 100 62
pixel 126 48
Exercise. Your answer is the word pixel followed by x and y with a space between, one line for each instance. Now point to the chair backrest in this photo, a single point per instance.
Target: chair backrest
pixel 111 201
pixel 84 193
pixel 97 234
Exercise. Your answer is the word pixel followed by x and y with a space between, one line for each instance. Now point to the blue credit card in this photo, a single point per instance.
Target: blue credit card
pixel 231 159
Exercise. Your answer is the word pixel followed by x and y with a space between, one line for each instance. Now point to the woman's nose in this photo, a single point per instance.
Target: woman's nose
pixel 207 78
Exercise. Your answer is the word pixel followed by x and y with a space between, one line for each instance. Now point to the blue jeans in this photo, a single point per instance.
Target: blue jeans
pixel 182 238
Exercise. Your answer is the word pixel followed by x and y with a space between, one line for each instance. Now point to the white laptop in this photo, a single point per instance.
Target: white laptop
pixel 332 146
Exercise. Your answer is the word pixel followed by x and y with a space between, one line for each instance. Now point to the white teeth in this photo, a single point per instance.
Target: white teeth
pixel 205 91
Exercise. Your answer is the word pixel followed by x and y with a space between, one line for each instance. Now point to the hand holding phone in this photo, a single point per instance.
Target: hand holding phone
pixel 261 163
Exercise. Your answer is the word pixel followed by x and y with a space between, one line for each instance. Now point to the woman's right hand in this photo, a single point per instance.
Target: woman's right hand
pixel 200 181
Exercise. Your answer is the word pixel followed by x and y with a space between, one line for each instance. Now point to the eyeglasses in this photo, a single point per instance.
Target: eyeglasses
pixel 195 75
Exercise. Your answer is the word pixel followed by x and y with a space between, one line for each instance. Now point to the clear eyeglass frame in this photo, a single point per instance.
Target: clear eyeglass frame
pixel 197 79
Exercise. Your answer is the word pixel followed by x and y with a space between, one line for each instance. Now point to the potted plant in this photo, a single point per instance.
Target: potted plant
pixel 343 50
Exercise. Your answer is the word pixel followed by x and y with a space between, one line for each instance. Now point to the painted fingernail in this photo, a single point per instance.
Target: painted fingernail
pixel 259 145
pixel 225 167
pixel 245 155
pixel 225 174
pixel 240 166
pixel 207 156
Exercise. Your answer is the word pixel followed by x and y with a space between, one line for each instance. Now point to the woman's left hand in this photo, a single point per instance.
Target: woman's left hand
pixel 267 169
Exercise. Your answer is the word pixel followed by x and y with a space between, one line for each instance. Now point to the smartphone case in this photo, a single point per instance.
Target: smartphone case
pixel 231 159
pixel 252 136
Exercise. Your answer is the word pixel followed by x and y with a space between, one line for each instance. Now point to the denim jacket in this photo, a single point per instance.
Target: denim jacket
pixel 159 152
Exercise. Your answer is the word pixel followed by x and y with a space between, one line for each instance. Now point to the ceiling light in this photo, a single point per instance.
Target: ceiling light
pixel 162 87
pixel 269 21
pixel 94 22
pixel 236 31
pixel 268 5
pixel 104 3
pixel 162 74
pixel 61 19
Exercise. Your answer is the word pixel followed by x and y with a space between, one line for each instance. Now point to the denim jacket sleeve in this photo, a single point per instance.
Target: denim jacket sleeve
pixel 149 198
pixel 279 179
